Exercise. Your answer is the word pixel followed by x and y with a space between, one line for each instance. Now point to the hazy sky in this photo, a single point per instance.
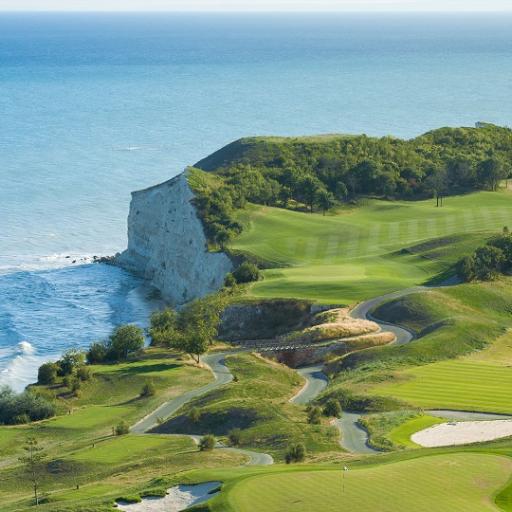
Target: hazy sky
pixel 258 5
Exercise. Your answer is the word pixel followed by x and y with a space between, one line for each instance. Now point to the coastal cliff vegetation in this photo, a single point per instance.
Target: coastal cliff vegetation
pixel 322 172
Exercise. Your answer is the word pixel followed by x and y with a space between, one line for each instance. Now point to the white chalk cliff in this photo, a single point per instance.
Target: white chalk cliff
pixel 167 244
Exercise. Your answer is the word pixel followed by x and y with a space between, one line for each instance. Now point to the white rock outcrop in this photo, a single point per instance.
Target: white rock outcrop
pixel 167 244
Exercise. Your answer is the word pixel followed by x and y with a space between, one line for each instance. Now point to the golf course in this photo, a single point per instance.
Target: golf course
pixel 365 356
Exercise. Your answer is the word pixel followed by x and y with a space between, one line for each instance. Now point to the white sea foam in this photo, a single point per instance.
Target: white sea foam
pixel 43 262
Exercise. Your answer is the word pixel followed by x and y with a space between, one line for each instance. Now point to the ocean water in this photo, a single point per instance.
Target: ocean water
pixel 95 106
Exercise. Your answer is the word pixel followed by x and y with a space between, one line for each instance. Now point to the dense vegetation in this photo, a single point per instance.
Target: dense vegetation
pixel 320 172
pixel 23 407
pixel 191 330
pixel 488 261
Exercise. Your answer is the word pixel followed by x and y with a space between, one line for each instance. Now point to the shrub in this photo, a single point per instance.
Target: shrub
pixel 83 373
pixel 71 361
pixel 230 280
pixel 314 415
pixel 235 436
pixel 97 353
pixel 332 408
pixel 121 429
pixel 207 443
pixel 47 374
pixel 194 415
pixel 246 273
pixel 295 453
pixel 23 407
pixel 148 390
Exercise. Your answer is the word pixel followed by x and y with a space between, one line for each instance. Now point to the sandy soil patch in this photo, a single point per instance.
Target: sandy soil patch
pixel 465 432
pixel 178 498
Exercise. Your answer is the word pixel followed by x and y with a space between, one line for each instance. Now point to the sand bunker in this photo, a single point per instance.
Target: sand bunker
pixel 465 432
pixel 178 498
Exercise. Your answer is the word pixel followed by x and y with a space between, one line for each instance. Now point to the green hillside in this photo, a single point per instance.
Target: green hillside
pixel 359 253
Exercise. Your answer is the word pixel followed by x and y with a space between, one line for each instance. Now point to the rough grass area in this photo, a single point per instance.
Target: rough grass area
pixel 457 482
pixel 459 360
pixel 258 403
pixel 80 449
pixel 360 253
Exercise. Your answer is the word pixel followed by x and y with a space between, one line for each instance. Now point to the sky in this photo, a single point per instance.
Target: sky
pixel 256 5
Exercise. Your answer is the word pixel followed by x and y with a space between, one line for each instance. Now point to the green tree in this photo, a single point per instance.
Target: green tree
pixel 490 172
pixel 324 200
pixel 47 374
pixel 32 461
pixel 164 327
pixel 308 189
pixel 126 339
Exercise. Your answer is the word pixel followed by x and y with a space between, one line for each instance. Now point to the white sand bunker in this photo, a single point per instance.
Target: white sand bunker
pixel 178 498
pixel 465 432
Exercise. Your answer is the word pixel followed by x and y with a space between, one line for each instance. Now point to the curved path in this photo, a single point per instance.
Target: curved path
pixel 222 374
pixel 354 438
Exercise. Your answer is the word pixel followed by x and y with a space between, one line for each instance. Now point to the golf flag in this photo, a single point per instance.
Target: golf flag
pixel 345 468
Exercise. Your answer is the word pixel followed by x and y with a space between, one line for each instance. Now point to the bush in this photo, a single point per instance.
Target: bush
pixel 83 373
pixel 207 443
pixel 332 408
pixel 314 415
pixel 194 415
pixel 98 352
pixel 230 280
pixel 246 273
pixel 148 390
pixel 295 453
pixel 121 429
pixel 71 361
pixel 47 374
pixel 23 407
pixel 235 436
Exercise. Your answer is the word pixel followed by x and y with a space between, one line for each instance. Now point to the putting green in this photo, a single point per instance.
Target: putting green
pixel 457 482
pixel 355 254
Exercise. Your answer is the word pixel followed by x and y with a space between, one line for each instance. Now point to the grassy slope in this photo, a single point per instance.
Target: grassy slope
pixel 442 483
pixel 79 446
pixel 479 381
pixel 355 253
pixel 259 404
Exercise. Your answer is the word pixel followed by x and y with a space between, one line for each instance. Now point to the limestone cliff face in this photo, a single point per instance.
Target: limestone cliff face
pixel 167 245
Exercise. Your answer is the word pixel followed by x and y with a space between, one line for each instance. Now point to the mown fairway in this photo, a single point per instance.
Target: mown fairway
pixel 460 384
pixel 456 482
pixel 352 255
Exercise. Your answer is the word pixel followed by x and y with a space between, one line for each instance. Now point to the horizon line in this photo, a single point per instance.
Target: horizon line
pixel 262 11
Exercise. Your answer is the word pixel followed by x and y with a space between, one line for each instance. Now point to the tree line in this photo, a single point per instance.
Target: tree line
pixel 320 173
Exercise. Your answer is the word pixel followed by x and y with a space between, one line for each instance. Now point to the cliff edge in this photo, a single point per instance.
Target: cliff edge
pixel 167 245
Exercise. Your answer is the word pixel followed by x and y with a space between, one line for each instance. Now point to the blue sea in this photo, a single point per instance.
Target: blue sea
pixel 93 106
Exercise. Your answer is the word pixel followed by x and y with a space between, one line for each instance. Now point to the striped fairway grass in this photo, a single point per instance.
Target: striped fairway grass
pixel 446 483
pixel 354 254
pixel 463 384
